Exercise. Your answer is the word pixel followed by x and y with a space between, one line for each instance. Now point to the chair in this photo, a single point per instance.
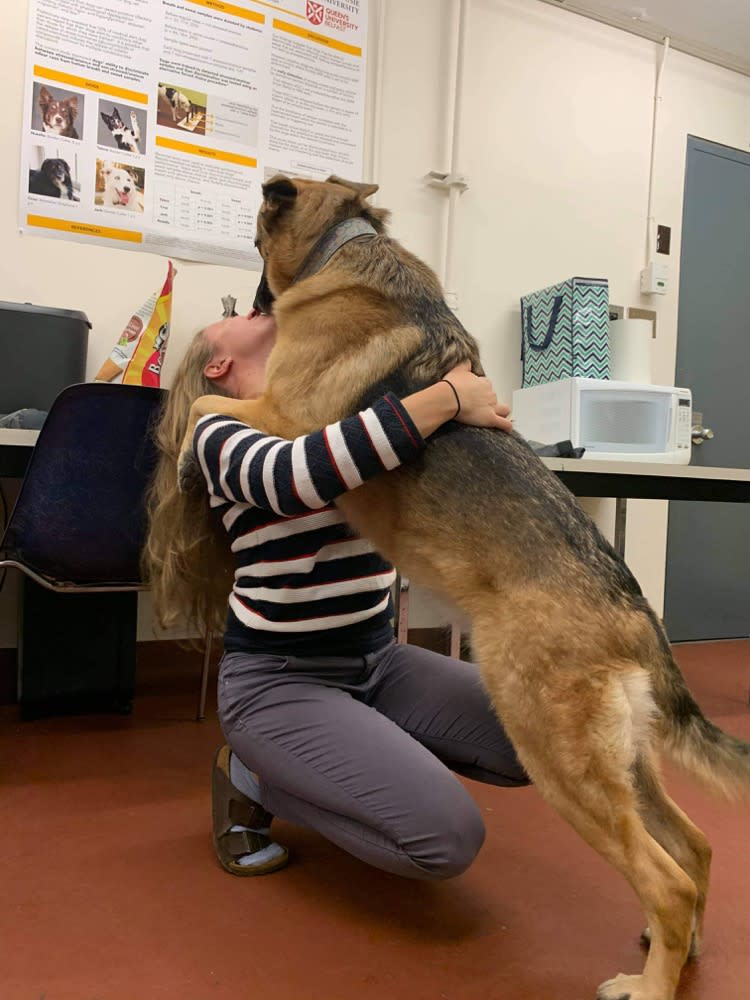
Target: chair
pixel 77 528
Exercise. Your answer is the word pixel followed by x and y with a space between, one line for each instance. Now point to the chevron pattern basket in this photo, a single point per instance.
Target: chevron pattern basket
pixel 565 331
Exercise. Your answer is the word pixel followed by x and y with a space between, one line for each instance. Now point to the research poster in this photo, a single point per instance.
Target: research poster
pixel 152 124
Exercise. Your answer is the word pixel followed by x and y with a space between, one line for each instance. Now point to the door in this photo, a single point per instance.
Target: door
pixel 707 593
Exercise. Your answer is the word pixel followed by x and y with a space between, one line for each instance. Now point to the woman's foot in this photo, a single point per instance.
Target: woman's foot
pixel 241 826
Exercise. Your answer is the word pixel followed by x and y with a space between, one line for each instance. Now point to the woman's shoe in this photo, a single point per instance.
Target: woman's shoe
pixel 241 826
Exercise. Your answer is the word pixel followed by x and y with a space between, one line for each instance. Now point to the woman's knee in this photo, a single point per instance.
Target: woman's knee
pixel 449 838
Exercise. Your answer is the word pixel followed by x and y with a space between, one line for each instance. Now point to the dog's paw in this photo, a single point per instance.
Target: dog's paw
pixel 622 988
pixel 189 476
pixel 630 988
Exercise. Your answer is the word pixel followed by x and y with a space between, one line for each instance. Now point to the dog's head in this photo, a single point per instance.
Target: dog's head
pixel 113 121
pixel 56 171
pixel 57 114
pixel 294 215
pixel 120 183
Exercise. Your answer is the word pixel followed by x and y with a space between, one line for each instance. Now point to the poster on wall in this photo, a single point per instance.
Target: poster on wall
pixel 152 124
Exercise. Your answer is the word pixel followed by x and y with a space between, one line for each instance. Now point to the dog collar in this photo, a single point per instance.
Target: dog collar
pixel 331 242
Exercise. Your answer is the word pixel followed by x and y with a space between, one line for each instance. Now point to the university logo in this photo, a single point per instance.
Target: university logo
pixel 315 12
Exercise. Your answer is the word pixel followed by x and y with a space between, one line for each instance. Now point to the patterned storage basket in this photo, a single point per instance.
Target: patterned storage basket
pixel 565 331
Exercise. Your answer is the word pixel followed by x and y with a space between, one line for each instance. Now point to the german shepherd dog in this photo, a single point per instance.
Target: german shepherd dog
pixel 575 661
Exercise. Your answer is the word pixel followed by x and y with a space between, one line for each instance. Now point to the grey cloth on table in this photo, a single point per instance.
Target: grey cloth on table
pixel 26 419
pixel 561 449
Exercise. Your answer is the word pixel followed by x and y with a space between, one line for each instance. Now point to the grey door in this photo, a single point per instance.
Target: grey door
pixel 708 550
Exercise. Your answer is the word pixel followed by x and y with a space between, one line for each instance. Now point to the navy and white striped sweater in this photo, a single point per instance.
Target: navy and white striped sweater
pixel 305 583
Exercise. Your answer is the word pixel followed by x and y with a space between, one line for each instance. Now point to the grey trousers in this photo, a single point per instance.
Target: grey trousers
pixel 363 749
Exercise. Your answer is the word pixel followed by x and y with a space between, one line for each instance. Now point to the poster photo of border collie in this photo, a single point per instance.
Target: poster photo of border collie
pixel 53 173
pixel 119 186
pixel 121 126
pixel 57 113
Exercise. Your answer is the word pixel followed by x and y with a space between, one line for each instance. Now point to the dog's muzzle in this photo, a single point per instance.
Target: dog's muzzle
pixel 264 297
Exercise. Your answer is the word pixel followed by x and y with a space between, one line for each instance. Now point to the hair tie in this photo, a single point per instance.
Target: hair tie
pixel 458 401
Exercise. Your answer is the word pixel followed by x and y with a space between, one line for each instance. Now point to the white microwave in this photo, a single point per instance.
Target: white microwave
pixel 611 420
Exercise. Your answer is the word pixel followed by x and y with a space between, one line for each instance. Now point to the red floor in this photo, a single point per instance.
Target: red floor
pixel 109 889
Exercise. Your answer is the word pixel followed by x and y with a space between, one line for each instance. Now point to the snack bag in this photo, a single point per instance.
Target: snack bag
pixel 138 355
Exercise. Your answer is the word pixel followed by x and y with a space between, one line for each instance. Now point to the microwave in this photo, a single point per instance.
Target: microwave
pixel 611 420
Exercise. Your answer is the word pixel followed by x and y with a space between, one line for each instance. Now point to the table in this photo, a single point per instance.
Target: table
pixel 16 447
pixel 590 477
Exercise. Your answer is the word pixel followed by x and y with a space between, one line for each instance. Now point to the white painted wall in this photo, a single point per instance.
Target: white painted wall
pixel 556 138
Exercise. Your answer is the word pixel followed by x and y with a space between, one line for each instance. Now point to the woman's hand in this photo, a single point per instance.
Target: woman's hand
pixel 479 404
pixel 472 395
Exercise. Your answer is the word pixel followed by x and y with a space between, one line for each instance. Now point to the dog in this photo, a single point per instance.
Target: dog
pixel 53 180
pixel 58 116
pixel 173 103
pixel 574 659
pixel 126 138
pixel 120 190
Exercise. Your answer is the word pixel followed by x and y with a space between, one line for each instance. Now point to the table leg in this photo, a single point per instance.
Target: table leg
pixel 402 609
pixel 621 516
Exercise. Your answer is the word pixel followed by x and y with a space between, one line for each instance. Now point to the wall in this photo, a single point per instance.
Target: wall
pixel 556 138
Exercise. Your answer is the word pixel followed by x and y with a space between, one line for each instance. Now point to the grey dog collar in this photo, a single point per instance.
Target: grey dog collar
pixel 331 242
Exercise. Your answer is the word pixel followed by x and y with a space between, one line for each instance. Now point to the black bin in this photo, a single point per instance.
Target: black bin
pixel 42 351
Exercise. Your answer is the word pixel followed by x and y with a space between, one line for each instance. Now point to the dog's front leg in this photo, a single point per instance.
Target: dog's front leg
pixel 135 127
pixel 189 475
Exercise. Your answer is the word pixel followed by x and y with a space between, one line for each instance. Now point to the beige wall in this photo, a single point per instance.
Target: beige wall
pixel 557 132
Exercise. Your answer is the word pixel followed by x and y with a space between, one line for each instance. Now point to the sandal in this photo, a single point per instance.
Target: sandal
pixel 231 807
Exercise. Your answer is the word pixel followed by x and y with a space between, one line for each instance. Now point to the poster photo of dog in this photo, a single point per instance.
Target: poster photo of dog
pixel 56 112
pixel 53 173
pixel 119 186
pixel 121 126
pixel 181 108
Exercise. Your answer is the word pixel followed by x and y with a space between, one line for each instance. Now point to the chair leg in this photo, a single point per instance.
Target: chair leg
pixel 204 677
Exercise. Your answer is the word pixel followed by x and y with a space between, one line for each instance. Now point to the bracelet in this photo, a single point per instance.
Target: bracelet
pixel 458 401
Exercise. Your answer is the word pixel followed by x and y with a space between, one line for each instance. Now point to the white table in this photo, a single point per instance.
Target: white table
pixel 589 477
pixel 15 451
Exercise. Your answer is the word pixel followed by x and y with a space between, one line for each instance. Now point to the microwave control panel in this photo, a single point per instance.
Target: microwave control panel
pixel 684 422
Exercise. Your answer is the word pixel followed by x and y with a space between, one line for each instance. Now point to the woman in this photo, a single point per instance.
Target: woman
pixel 329 722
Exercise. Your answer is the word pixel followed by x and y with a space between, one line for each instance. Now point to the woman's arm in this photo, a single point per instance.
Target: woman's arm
pixel 244 465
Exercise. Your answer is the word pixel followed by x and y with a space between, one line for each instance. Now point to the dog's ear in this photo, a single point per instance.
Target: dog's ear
pixel 363 190
pixel 72 103
pixel 44 96
pixel 280 191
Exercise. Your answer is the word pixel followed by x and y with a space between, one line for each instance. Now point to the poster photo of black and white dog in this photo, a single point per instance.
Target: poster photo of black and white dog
pixel 121 126
pixel 119 186
pixel 181 108
pixel 53 173
pixel 56 112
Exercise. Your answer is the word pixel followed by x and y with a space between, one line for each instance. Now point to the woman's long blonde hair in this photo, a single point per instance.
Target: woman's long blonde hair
pixel 186 559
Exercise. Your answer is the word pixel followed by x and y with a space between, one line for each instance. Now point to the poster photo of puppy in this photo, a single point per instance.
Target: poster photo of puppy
pixel 57 113
pixel 121 126
pixel 180 108
pixel 119 186
pixel 53 174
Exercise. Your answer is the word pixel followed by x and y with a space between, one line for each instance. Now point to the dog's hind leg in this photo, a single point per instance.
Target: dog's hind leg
pixel 577 733
pixel 677 834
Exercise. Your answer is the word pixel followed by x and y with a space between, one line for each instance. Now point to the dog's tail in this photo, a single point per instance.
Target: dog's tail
pixel 719 761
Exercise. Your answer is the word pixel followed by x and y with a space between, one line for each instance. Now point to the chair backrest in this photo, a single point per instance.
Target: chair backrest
pixel 80 515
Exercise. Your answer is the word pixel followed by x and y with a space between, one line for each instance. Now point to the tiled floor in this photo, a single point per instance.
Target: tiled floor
pixel 109 889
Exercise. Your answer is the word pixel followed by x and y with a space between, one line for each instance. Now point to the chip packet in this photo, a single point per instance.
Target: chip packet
pixel 138 356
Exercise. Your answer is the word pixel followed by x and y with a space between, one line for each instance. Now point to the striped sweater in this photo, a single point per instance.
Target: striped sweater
pixel 304 582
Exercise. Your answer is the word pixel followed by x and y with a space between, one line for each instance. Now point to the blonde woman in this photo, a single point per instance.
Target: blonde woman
pixel 329 723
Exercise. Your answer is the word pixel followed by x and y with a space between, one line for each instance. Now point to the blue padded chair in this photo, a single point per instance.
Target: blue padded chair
pixel 78 527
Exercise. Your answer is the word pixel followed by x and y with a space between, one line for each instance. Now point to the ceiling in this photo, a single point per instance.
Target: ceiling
pixel 716 30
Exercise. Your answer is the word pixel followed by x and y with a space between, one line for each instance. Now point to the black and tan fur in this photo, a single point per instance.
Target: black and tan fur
pixel 575 660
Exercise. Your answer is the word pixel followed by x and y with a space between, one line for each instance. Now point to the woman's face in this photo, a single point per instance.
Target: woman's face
pixel 242 337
